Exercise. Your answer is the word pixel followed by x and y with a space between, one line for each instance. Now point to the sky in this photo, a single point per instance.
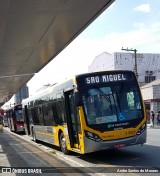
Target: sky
pixel 129 24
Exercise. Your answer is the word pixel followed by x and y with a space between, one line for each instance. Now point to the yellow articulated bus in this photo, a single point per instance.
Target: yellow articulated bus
pixel 92 112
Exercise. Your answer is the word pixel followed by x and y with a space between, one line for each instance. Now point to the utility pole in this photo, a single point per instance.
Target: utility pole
pixel 135 59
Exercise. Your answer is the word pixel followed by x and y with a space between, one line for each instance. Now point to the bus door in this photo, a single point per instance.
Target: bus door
pixel 72 119
pixel 12 121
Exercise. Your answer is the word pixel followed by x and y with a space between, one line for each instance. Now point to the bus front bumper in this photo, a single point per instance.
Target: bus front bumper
pixel 92 146
pixel 20 128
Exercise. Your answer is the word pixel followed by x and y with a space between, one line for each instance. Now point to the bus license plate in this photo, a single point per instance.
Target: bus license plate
pixel 119 145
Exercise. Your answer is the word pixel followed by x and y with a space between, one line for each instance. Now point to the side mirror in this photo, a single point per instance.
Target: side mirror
pixel 77 99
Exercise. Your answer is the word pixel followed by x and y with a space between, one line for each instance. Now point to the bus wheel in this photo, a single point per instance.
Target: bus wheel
pixel 34 136
pixel 63 144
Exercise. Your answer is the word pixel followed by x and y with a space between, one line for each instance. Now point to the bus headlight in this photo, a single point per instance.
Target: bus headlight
pixel 92 136
pixel 141 129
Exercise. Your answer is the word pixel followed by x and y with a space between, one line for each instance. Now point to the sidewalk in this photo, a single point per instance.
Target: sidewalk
pixel 155 126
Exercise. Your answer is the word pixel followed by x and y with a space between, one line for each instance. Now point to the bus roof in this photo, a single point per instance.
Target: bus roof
pixel 68 84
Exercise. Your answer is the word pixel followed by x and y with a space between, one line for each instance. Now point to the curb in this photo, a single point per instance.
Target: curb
pixel 155 126
pixel 59 155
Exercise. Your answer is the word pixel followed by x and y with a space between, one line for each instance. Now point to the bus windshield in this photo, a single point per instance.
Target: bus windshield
pixel 18 114
pixel 114 103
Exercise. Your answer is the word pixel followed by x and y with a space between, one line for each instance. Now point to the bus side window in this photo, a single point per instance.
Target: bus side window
pixel 55 114
pixel 30 116
pixel 51 119
pixel 48 114
pixel 40 114
pixel 35 116
pixel 44 114
pixel 60 110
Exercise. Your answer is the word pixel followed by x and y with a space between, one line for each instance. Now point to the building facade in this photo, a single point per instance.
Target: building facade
pixel 148 65
pixel 151 95
pixel 21 94
pixel 147 68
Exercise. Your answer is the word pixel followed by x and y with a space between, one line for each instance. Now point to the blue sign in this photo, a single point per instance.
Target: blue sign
pixel 121 116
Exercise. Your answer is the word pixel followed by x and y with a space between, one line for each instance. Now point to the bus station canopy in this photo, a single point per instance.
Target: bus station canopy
pixel 33 32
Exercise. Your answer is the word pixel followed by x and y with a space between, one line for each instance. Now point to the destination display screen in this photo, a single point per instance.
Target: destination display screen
pixel 104 77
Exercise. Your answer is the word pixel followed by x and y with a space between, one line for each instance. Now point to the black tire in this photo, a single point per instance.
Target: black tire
pixel 63 144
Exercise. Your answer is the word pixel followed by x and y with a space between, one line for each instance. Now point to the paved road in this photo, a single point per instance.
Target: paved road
pixel 146 156
pixel 133 156
pixel 22 156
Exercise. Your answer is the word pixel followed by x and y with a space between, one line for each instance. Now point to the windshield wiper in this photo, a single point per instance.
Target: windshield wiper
pixel 103 94
pixel 107 97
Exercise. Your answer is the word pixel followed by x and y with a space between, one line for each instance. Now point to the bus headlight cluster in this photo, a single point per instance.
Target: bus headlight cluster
pixel 92 136
pixel 141 129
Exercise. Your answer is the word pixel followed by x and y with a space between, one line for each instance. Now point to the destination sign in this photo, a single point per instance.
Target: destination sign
pixel 105 78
